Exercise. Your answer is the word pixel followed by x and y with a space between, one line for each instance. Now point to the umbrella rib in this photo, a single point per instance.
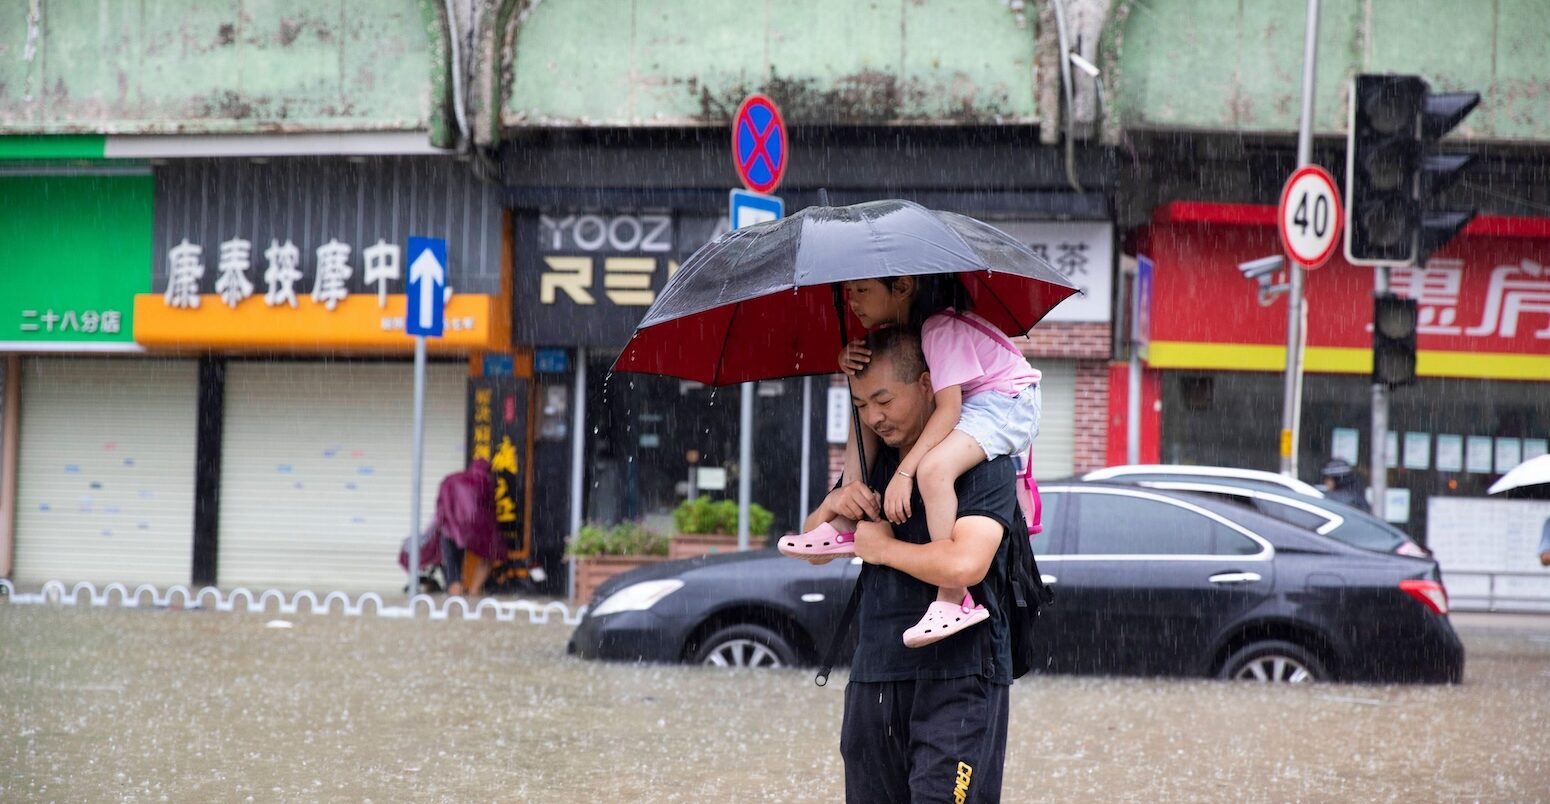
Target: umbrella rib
pixel 721 357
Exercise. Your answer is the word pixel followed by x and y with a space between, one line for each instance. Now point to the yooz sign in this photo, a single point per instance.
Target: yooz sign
pixel 651 234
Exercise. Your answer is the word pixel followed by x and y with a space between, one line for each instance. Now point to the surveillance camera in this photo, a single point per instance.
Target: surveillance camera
pixel 1261 269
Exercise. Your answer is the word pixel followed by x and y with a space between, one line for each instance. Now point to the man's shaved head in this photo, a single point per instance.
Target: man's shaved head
pixel 900 348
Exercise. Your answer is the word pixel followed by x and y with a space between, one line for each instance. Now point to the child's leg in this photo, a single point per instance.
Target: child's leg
pixel 939 470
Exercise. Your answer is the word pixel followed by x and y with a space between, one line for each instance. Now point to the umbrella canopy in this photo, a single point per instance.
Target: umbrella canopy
pixel 1532 472
pixel 758 303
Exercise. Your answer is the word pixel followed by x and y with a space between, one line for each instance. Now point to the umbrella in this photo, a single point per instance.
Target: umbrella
pixel 762 302
pixel 1532 472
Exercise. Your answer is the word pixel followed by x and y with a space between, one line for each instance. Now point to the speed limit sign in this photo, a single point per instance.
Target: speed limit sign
pixel 1310 216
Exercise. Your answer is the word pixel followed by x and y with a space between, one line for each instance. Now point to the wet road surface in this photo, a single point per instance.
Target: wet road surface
pixel 146 705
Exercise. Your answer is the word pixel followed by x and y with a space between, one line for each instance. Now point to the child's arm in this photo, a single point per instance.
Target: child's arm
pixel 949 404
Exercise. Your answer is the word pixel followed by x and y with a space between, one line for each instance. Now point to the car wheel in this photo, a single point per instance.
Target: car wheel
pixel 1274 662
pixel 745 646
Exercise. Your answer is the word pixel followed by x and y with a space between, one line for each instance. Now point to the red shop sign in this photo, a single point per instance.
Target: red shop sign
pixel 1484 300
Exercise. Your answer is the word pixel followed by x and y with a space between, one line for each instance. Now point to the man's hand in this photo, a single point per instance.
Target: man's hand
pixel 854 357
pixel 854 501
pixel 1544 559
pixel 873 540
pixel 896 499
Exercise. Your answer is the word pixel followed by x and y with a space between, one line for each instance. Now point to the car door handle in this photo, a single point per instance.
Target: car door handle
pixel 1047 578
pixel 1234 577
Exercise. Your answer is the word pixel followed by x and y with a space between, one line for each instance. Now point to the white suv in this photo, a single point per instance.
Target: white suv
pixel 1243 478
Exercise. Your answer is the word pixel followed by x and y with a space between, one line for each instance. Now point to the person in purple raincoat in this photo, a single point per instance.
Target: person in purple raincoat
pixel 465 520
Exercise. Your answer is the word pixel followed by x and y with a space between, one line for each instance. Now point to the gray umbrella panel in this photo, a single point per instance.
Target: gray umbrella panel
pixel 824 245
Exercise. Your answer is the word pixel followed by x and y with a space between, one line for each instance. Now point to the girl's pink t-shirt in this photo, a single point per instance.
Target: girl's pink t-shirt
pixel 959 353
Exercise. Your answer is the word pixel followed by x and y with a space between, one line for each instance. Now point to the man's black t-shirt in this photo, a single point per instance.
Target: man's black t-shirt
pixel 892 601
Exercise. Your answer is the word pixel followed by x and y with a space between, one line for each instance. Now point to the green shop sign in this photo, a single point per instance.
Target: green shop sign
pixel 77 250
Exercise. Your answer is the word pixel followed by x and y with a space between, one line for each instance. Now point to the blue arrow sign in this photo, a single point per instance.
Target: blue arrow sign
pixel 427 286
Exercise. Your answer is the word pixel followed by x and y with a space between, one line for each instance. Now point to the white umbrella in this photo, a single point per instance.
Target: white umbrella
pixel 1532 472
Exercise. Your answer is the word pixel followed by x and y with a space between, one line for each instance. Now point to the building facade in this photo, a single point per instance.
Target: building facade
pixel 572 161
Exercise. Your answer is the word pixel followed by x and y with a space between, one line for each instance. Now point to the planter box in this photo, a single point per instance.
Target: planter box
pixel 690 545
pixel 592 571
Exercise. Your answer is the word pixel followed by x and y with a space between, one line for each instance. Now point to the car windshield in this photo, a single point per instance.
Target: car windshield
pixel 1368 534
pixel 1307 520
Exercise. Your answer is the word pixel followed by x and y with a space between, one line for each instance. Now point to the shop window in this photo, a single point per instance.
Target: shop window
pixel 1197 393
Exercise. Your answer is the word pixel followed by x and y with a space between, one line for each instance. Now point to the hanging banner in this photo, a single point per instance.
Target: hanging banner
pixel 497 432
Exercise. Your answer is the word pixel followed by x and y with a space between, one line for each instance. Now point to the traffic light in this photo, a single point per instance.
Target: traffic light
pixel 1393 340
pixel 1392 178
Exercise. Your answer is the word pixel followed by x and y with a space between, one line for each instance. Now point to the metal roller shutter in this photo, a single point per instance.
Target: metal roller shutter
pixel 1052 450
pixel 315 470
pixel 105 476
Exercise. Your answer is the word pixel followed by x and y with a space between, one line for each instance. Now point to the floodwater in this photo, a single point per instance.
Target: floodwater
pixel 147 705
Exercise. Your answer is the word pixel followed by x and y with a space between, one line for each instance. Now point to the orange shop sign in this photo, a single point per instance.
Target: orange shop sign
pixel 285 314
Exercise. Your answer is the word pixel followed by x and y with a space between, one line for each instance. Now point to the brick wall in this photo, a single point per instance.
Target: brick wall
pixel 1081 341
pixel 1091 432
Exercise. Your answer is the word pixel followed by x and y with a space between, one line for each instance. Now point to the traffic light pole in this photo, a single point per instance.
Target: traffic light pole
pixel 1379 472
pixel 1291 402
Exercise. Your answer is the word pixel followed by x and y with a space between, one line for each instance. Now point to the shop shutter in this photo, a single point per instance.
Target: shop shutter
pixel 1052 450
pixel 105 476
pixel 315 464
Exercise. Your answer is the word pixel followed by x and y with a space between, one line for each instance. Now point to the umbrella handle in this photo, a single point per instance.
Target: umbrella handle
pixel 855 418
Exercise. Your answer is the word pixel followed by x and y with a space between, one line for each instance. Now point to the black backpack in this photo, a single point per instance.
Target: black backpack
pixel 1024 594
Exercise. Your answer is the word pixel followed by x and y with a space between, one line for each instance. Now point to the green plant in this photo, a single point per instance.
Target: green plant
pixel 703 516
pixel 623 539
pixel 695 516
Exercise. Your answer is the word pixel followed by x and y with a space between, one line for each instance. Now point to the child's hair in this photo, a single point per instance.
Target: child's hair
pixel 933 294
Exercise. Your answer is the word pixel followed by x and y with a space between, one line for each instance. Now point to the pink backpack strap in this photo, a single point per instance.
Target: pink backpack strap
pixel 1036 522
pixel 988 331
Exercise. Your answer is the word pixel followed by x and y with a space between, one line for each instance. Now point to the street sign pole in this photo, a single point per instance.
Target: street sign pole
pixel 745 463
pixel 416 465
pixel 426 317
pixel 760 154
pixel 1291 401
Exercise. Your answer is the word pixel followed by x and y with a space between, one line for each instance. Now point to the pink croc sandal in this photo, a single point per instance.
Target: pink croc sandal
pixel 942 620
pixel 820 542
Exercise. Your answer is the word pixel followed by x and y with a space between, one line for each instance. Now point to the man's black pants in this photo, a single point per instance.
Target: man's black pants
pixel 920 741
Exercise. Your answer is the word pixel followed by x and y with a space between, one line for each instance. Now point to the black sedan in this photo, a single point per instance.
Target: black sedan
pixel 1322 516
pixel 1147 581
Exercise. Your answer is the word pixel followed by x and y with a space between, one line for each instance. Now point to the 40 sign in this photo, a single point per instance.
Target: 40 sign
pixel 1310 216
pixel 759 144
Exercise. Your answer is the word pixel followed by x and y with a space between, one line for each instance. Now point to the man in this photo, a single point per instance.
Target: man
pixel 1544 544
pixel 1342 485
pixel 922 724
